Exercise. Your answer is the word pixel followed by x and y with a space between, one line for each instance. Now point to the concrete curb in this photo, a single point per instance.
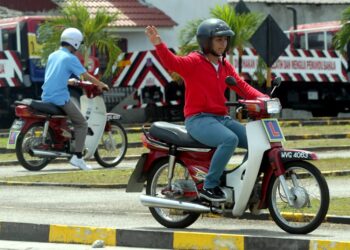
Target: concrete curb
pixel 154 239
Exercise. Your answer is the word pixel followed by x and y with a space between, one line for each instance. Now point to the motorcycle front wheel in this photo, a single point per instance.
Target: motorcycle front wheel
pixel 32 139
pixel 156 185
pixel 310 198
pixel 112 147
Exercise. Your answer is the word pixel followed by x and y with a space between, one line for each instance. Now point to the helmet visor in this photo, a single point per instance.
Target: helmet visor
pixel 223 33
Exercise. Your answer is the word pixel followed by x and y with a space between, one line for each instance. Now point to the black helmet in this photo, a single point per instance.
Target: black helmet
pixel 210 28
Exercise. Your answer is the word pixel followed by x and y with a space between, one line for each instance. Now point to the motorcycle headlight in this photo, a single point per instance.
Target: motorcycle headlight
pixel 273 106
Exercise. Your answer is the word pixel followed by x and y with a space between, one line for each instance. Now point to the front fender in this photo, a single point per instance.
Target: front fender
pixel 279 156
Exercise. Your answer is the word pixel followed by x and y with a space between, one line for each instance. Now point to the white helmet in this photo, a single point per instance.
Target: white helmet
pixel 72 36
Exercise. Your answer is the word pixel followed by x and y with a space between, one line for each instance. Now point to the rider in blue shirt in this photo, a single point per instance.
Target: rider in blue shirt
pixel 61 65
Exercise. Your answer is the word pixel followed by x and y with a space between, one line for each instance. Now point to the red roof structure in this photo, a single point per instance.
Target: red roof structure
pixel 133 13
pixel 29 5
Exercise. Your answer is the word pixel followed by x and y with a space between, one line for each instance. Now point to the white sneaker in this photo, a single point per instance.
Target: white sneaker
pixel 80 163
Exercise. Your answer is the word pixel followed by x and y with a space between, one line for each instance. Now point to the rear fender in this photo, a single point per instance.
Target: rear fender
pixel 143 167
pixel 138 176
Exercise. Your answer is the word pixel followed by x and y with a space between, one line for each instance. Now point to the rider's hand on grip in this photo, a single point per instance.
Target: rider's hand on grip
pixel 104 87
pixel 73 82
pixel 230 81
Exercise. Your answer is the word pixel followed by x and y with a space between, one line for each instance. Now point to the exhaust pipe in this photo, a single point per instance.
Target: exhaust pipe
pixel 42 153
pixel 151 201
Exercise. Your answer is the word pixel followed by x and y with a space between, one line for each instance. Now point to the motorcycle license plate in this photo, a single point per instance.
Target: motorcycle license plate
pixel 13 134
pixel 273 130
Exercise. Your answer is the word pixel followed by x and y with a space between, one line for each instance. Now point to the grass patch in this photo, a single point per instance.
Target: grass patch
pixel 332 164
pixel 132 137
pixel 103 176
pixel 120 176
pixel 325 129
pixel 316 143
pixel 339 206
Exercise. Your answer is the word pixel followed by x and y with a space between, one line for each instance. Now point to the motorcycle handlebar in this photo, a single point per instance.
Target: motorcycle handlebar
pixel 261 107
pixel 91 90
pixel 233 104
pixel 231 81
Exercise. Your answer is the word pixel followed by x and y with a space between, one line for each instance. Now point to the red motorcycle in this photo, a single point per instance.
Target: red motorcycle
pixel 281 180
pixel 42 132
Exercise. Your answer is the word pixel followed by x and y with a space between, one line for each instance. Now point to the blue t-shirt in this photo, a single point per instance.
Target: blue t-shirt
pixel 60 66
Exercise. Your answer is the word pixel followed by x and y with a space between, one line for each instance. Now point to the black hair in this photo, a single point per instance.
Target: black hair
pixel 65 44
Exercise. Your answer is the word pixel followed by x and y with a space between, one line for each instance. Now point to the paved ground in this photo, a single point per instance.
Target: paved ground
pixel 40 207
pixel 26 245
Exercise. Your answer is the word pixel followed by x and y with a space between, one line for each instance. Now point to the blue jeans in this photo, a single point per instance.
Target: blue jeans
pixel 221 132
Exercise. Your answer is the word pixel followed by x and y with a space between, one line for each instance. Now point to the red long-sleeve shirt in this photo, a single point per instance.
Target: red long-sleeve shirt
pixel 204 86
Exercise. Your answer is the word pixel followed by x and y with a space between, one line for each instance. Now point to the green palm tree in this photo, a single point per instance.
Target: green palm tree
pixel 244 26
pixel 187 37
pixel 74 14
pixel 342 37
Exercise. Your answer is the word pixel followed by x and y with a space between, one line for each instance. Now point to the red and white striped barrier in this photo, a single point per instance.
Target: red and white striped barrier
pixel 300 65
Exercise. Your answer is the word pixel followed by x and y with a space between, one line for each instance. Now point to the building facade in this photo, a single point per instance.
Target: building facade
pixel 307 11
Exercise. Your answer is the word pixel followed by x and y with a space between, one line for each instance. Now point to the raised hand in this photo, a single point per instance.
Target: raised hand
pixel 153 35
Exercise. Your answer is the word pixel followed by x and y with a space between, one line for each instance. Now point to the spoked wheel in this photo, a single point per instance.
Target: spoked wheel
pixel 113 146
pixel 157 186
pixel 310 198
pixel 32 139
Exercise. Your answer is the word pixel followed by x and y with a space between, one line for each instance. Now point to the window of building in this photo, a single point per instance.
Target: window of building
pixel 9 40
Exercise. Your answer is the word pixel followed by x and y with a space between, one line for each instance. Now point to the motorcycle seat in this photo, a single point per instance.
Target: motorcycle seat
pixel 174 134
pixel 47 108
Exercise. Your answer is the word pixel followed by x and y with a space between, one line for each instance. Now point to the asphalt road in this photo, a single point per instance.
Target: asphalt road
pixel 113 208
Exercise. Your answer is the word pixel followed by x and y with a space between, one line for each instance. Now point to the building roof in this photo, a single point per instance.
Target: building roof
pixel 29 5
pixel 132 13
pixel 294 1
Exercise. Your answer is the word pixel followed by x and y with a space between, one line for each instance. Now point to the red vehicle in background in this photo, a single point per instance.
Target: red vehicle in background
pixel 314 75
pixel 314 35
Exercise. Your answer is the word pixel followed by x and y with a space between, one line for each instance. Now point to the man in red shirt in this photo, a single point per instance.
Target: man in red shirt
pixel 206 116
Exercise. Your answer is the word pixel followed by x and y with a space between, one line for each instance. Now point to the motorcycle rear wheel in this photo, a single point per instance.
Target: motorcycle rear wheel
pixel 157 181
pixel 28 140
pixel 112 147
pixel 311 202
